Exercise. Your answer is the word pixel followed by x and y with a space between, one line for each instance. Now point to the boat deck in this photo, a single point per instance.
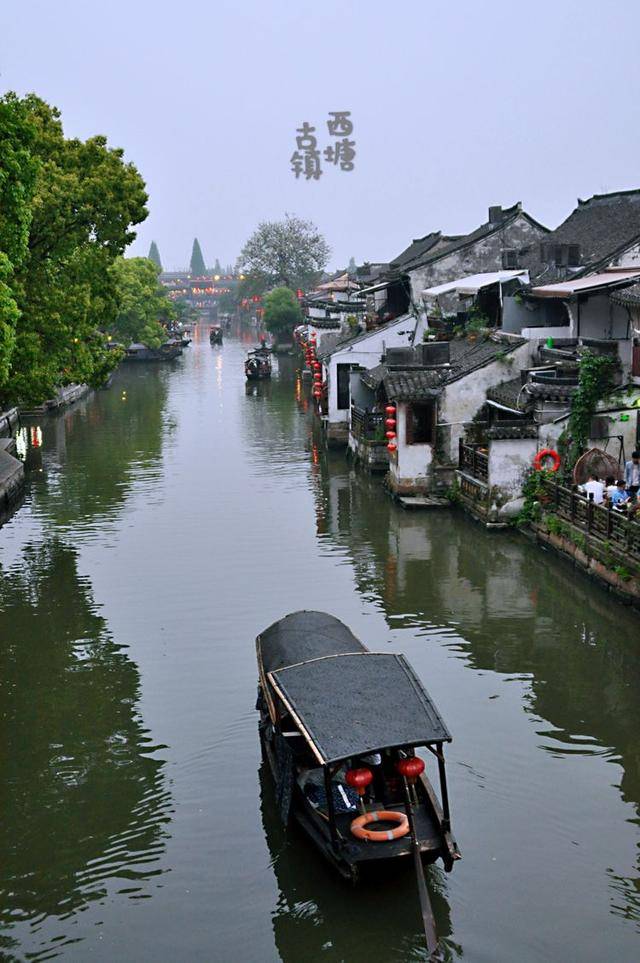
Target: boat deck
pixel 362 849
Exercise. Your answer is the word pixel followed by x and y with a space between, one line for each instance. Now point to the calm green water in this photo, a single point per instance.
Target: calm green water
pixel 169 520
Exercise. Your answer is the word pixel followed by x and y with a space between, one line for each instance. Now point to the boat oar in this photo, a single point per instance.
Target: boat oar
pixel 428 920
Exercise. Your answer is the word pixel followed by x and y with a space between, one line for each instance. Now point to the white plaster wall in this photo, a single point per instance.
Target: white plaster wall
pixel 629 258
pixel 548 435
pixel 600 318
pixel 320 333
pixel 543 333
pixel 461 400
pixel 367 353
pixel 485 255
pixel 412 464
pixel 509 459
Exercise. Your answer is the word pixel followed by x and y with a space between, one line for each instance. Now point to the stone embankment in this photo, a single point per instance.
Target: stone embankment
pixel 11 479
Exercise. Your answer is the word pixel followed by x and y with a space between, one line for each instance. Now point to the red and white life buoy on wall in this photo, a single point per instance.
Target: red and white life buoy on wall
pixel 541 458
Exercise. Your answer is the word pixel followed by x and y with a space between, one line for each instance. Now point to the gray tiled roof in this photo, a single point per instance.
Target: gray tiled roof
pixel 413 383
pixel 509 214
pixel 628 296
pixel 418 247
pixel 510 394
pixel 601 226
pixel 348 339
pixel 328 323
pixel 498 431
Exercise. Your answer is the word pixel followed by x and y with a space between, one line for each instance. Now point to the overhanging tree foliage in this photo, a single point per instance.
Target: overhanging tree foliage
pixel 291 253
pixel 18 170
pixel 142 302
pixel 281 312
pixel 154 254
pixel 197 268
pixel 85 201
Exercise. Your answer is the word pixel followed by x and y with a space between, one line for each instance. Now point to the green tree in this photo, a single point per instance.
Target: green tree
pixel 86 200
pixel 291 252
pixel 198 268
pixel 18 170
pixel 217 269
pixel 352 266
pixel 154 254
pixel 281 312
pixel 142 302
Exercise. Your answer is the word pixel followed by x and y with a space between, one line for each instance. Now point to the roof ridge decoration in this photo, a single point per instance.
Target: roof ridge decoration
pixel 630 192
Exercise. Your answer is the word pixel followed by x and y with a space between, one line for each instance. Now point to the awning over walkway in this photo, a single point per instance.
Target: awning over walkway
pixel 603 281
pixel 472 283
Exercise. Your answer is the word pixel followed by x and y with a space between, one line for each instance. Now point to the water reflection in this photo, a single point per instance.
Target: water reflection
pixel 84 462
pixel 504 607
pixel 84 799
pixel 320 916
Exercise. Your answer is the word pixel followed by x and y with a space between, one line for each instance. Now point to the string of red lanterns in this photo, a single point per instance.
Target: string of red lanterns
pixel 390 424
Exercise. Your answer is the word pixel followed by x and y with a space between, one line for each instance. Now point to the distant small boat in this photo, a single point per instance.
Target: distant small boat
pixel 258 364
pixel 215 335
pixel 140 352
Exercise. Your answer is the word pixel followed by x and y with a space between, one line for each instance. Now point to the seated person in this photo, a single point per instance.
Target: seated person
pixel 610 486
pixel 620 496
pixel 594 490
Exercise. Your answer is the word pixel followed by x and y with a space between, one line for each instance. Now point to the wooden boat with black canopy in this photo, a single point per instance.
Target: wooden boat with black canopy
pixel 258 364
pixel 339 726
pixel 215 334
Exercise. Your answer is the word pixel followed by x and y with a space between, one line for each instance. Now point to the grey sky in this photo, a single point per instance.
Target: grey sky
pixel 456 106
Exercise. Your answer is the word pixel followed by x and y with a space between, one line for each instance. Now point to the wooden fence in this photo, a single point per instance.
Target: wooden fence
pixel 601 521
pixel 473 461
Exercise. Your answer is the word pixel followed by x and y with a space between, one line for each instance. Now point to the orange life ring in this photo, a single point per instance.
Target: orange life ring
pixel 547 453
pixel 382 835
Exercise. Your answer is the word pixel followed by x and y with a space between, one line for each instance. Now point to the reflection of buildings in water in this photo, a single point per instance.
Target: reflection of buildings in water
pixel 85 802
pixel 515 610
pixel 318 914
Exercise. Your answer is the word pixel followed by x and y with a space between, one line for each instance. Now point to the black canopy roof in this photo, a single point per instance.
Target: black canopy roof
pixel 302 636
pixel 360 702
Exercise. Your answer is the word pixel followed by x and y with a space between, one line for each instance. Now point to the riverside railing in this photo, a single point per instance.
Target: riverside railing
pixel 473 461
pixel 602 521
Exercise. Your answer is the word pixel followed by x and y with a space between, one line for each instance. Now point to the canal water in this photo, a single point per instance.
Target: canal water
pixel 167 521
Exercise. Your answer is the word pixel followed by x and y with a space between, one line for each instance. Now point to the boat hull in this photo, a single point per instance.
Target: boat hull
pixel 355 859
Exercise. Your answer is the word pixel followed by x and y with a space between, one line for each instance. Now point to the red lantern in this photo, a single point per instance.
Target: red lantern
pixel 392 447
pixel 359 779
pixel 410 768
pixel 317 377
pixel 390 422
pixel 317 365
pixel 390 409
pixel 390 434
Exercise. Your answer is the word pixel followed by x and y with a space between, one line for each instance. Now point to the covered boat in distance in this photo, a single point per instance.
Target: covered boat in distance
pixel 339 726
pixel 215 334
pixel 258 364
